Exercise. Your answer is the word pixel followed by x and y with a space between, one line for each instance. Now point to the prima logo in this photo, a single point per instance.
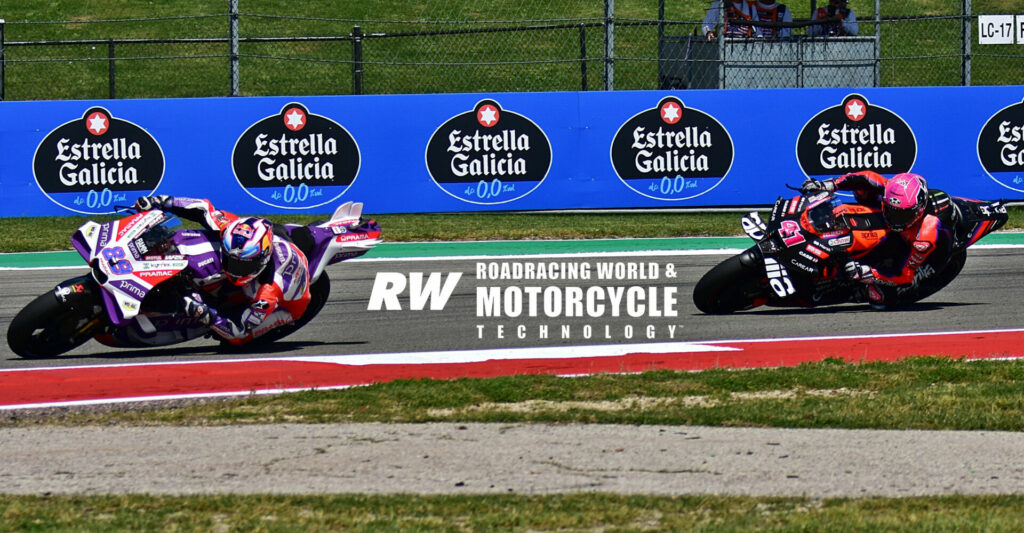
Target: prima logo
pixel 1001 147
pixel 488 155
pixel 295 159
pixel 855 135
pixel 671 152
pixel 90 164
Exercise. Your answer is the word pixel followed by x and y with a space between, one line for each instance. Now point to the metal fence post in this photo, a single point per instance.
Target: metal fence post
pixel 721 44
pixel 357 60
pixel 110 66
pixel 3 63
pixel 609 45
pixel 583 56
pixel 965 61
pixel 233 38
pixel 878 43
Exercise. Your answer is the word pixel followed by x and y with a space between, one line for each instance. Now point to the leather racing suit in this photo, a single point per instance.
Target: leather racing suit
pixel 278 296
pixel 927 251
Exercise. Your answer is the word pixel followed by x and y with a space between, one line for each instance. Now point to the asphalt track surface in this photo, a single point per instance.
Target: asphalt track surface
pixel 518 458
pixel 988 294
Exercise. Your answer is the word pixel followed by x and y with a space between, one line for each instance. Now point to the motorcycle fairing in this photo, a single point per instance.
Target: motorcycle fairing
pixel 342 237
pixel 119 265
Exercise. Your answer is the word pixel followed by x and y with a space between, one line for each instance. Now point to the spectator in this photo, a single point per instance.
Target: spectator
pixel 772 11
pixel 847 25
pixel 734 11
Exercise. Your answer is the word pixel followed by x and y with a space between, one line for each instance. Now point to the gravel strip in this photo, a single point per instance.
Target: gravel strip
pixel 449 458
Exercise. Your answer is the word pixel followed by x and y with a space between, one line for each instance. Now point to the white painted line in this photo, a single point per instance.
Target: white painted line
pixel 462 356
pixel 501 354
pixel 538 352
pixel 451 356
pixel 191 396
pixel 565 255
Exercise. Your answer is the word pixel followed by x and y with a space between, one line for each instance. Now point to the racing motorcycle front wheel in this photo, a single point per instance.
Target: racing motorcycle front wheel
pixel 47 327
pixel 736 284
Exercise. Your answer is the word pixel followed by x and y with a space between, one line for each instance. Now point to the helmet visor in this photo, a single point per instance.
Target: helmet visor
pixel 241 268
pixel 898 219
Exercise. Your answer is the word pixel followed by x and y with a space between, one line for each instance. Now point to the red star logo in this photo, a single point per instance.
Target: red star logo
pixel 97 123
pixel 671 112
pixel 855 109
pixel 487 115
pixel 294 119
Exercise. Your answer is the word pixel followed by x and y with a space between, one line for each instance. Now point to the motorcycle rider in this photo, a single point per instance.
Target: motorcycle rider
pixel 273 296
pixel 928 224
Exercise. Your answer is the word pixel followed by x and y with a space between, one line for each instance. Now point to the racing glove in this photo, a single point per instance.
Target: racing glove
pixel 860 272
pixel 196 309
pixel 160 201
pixel 812 185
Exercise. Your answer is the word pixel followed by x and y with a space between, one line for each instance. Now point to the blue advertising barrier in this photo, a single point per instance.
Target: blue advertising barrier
pixel 506 151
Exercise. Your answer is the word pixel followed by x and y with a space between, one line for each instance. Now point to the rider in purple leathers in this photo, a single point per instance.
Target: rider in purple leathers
pixel 259 278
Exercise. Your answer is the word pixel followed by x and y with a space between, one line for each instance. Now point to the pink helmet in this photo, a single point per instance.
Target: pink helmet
pixel 904 201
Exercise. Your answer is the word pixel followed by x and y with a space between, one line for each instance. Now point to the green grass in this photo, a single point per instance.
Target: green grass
pixel 918 393
pixel 914 52
pixel 585 512
pixel 23 234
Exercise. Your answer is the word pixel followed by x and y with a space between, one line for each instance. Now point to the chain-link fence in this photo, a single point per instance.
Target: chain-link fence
pixel 257 47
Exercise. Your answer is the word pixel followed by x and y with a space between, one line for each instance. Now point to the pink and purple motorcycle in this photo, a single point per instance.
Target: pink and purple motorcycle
pixel 141 267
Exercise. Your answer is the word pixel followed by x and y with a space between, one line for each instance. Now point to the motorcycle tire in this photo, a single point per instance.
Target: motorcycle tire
pixel 937 282
pixel 47 328
pixel 319 293
pixel 729 287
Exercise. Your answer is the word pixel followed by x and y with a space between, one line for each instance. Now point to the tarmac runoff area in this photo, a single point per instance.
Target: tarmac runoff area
pixel 450 458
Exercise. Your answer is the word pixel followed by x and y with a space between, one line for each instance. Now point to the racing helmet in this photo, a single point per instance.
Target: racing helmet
pixel 904 201
pixel 245 249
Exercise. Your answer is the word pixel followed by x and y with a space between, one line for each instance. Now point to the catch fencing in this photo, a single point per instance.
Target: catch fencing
pixel 449 46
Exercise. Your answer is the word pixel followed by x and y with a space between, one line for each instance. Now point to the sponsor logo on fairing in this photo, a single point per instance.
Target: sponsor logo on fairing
pixel 131 288
pixel 855 135
pixel 296 159
pixel 91 164
pixel 156 273
pixel 488 155
pixel 671 152
pixel 1001 147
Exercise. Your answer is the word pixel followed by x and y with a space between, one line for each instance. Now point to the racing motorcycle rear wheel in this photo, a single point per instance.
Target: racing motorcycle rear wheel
pixel 734 285
pixel 47 327
pixel 319 292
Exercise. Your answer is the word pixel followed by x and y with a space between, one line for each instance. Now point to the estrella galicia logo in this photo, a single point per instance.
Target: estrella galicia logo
pixel 855 135
pixel 295 159
pixel 91 164
pixel 1001 147
pixel 672 152
pixel 488 155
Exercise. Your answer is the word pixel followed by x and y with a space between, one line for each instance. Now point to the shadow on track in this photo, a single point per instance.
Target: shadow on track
pixel 852 308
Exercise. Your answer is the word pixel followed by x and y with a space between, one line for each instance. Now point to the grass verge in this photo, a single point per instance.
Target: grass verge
pixel 585 512
pixel 24 234
pixel 917 393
